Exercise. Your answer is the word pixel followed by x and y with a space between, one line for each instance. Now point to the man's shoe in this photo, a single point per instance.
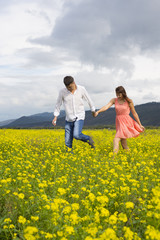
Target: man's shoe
pixel 91 143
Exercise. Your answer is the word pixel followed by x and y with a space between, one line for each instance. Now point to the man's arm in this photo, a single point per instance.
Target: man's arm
pixel 57 108
pixel 89 101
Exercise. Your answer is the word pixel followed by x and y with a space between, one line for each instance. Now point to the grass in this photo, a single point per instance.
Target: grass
pixel 48 193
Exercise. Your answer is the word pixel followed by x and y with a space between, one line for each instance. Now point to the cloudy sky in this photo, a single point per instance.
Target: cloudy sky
pixel 102 44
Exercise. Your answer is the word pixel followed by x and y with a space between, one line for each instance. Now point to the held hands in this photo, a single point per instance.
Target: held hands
pixel 95 114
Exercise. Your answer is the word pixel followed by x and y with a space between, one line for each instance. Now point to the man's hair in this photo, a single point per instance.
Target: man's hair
pixel 68 80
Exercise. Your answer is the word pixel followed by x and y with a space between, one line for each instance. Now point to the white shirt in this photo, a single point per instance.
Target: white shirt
pixel 73 103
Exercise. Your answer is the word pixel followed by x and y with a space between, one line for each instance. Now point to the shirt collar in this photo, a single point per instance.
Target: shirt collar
pixel 71 92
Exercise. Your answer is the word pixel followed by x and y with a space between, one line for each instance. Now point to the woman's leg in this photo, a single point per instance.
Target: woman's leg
pixel 124 144
pixel 116 145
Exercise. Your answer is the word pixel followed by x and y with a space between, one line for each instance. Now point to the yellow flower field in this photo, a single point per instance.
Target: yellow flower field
pixel 48 193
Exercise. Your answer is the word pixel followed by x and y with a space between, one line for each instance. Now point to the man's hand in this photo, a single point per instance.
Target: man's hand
pixel 93 114
pixel 54 121
pixel 96 114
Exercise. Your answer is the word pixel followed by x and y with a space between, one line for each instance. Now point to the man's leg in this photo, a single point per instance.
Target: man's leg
pixel 69 133
pixel 77 133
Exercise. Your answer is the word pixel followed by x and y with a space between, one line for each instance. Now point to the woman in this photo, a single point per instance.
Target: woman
pixel 126 127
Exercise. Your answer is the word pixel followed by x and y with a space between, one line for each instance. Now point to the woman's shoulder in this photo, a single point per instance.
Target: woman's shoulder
pixel 130 101
pixel 113 100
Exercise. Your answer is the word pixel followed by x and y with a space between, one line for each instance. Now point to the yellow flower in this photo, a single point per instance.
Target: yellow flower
pixel 14 235
pixel 85 218
pixel 49 236
pixel 7 220
pixel 88 238
pixel 47 207
pixel 11 226
pixel 15 193
pixel 69 230
pixel 74 218
pixel 62 191
pixel 128 233
pixel 30 237
pixel 76 196
pixel 60 233
pixel 108 234
pixel 152 233
pixel 8 191
pixel 21 195
pixel 104 212
pixel 75 206
pixel 150 214
pixel 67 210
pixel 122 217
pixel 92 231
pixel 129 205
pixel 5 227
pixel 112 219
pixel 91 197
pixel 102 199
pixel 34 218
pixel 22 220
pixel 44 196
pixel 29 233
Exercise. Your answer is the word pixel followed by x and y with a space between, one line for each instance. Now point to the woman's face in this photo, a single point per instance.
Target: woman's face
pixel 119 96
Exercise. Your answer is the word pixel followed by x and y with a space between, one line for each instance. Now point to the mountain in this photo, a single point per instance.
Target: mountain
pixel 33 121
pixel 6 122
pixel 149 114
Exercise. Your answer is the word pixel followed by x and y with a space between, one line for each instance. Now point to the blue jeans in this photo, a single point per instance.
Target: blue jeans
pixel 74 130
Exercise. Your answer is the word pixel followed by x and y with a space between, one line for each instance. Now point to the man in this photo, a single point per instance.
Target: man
pixel 72 97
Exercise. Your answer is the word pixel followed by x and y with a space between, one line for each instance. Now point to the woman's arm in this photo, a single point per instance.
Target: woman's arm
pixel 135 115
pixel 104 108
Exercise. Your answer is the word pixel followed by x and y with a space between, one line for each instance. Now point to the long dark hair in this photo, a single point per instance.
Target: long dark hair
pixel 121 89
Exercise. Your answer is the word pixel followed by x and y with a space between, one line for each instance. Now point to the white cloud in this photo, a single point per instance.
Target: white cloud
pixel 107 33
pixel 103 44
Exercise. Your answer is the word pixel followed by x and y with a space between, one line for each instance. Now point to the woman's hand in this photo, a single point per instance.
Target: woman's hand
pixel 96 114
pixel 143 128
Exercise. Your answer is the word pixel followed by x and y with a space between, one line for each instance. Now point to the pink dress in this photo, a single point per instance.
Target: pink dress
pixel 126 127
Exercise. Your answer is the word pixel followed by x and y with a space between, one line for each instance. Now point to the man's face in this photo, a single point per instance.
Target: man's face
pixel 71 87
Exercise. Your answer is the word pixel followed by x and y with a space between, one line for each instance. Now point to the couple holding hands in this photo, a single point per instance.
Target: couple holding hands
pixel 72 97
